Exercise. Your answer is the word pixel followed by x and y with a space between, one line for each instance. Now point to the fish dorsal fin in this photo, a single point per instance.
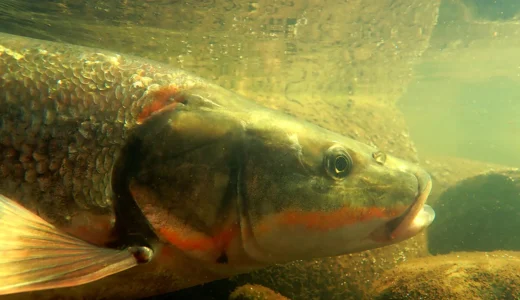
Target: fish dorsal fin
pixel 34 255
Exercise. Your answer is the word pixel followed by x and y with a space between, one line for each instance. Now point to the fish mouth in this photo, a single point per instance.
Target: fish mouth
pixel 417 216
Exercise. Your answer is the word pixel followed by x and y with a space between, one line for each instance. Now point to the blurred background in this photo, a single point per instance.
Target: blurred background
pixel 430 81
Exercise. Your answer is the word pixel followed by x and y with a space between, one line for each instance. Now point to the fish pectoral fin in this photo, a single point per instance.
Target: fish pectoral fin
pixel 34 255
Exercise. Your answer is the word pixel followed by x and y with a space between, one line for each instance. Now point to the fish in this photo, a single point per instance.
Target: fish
pixel 125 177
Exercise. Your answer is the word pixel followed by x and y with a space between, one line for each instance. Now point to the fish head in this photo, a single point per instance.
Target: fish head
pixel 306 192
pixel 225 180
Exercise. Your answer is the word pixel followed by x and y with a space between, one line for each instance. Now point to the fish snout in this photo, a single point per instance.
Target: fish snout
pixel 418 215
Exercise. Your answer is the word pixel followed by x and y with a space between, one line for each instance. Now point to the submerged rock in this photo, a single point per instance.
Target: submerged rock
pixel 463 275
pixel 255 292
pixel 335 278
pixel 478 214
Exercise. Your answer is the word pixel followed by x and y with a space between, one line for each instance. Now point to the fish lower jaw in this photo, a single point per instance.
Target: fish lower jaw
pixel 424 218
pixel 410 224
pixel 421 221
pixel 417 217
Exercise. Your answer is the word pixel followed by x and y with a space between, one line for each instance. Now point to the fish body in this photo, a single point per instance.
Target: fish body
pixel 173 181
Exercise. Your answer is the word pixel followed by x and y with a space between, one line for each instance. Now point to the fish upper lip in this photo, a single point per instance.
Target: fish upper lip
pixel 399 225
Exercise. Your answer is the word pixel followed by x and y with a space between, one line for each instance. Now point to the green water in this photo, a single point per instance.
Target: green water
pixel 465 98
pixel 459 91
pixel 478 120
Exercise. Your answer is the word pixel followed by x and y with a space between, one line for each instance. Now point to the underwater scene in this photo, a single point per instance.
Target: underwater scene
pixel 259 149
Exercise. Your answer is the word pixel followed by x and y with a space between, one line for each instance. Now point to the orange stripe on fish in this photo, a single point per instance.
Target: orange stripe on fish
pixel 197 241
pixel 323 221
pixel 174 231
pixel 163 99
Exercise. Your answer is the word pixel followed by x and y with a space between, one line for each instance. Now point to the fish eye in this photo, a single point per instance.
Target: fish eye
pixel 338 162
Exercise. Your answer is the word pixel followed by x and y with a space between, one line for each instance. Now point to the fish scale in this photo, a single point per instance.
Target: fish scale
pixel 64 116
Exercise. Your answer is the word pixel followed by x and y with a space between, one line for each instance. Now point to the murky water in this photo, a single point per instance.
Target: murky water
pixel 433 82
pixel 464 99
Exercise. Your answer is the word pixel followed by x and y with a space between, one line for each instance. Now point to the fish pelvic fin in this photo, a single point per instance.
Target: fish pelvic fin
pixel 35 255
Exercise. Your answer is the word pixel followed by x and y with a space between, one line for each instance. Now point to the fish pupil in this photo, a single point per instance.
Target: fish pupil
pixel 341 164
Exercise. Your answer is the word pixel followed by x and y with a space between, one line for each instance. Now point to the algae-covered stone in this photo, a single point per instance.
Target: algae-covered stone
pixel 255 292
pixel 448 171
pixel 464 275
pixel 335 278
pixel 479 213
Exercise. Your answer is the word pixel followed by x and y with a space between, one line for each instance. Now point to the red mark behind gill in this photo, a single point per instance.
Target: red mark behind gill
pixel 163 99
